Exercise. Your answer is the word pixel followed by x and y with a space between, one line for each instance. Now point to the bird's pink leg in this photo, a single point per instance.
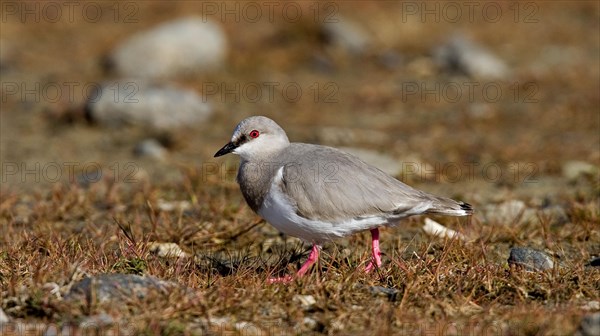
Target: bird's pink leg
pixel 312 258
pixel 376 261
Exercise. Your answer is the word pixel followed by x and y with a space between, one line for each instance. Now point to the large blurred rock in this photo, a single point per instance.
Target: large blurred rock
pixel 160 107
pixel 460 54
pixel 182 47
pixel 509 212
pixel 572 170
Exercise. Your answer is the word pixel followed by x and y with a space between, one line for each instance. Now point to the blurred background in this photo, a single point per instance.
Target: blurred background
pixel 111 113
pixel 481 99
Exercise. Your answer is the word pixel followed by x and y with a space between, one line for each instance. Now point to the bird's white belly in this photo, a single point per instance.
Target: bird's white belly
pixel 281 213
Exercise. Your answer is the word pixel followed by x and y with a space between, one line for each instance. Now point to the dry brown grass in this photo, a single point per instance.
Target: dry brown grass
pixel 443 286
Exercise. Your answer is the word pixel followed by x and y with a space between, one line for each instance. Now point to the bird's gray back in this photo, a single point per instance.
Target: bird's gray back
pixel 327 184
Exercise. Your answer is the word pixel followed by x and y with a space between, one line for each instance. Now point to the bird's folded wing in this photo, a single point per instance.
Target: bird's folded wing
pixel 327 184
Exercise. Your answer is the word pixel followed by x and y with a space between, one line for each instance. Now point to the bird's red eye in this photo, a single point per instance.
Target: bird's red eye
pixel 254 134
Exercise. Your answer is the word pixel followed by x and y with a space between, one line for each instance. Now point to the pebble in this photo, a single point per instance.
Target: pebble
pixel 379 160
pixel 167 250
pixel 460 54
pixel 169 206
pixel 572 170
pixel 150 148
pixel 512 211
pixel 531 259
pixel 307 302
pixel 390 293
pixel 117 288
pixel 182 47
pixel 158 107
pixel 346 34
pixel 309 323
pixel 594 262
pixel 590 325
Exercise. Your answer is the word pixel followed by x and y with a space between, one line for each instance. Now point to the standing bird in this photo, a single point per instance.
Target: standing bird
pixel 319 193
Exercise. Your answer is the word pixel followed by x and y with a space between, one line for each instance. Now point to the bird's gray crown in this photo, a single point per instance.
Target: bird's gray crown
pixel 258 136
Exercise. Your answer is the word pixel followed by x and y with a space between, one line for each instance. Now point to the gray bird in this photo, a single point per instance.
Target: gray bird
pixel 319 193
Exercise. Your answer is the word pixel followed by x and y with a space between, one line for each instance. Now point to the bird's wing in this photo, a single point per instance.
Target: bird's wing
pixel 327 184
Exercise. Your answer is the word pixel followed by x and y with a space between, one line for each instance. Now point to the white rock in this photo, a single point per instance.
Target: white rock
pixel 434 228
pixel 461 54
pixel 307 302
pixel 182 47
pixel 167 250
pixel 347 34
pixel 158 107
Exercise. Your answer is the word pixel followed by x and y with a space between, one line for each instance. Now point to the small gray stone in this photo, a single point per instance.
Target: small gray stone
pixel 150 148
pixel 531 259
pixel 182 47
pixel 590 325
pixel 115 288
pixel 460 54
pixel 594 262
pixel 379 160
pixel 390 293
pixel 347 34
pixel 572 170
pixel 159 107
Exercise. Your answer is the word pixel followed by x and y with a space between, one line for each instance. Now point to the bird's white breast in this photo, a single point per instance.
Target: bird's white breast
pixel 280 212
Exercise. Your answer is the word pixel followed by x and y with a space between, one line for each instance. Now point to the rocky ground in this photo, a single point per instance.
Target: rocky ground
pixel 116 218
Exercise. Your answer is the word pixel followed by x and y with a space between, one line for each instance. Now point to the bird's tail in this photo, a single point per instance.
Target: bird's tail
pixel 450 207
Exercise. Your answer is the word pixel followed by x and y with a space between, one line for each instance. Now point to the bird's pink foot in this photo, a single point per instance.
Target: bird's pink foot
pixel 312 258
pixel 376 261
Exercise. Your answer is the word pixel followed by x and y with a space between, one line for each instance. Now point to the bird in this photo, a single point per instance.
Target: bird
pixel 319 193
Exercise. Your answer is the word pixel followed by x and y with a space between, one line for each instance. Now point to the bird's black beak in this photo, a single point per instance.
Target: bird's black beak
pixel 228 148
